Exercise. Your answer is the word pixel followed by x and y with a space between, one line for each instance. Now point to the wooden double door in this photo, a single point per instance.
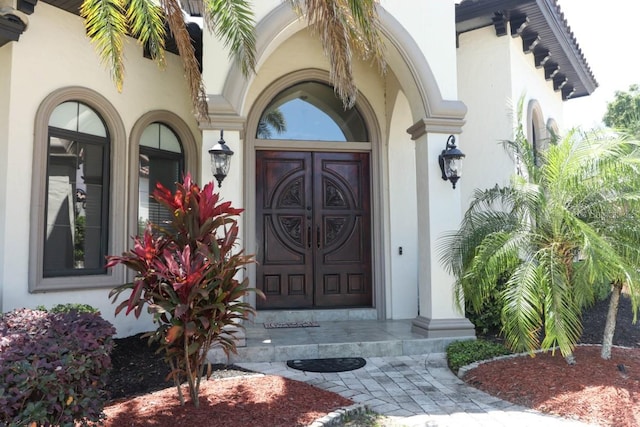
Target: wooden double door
pixel 313 220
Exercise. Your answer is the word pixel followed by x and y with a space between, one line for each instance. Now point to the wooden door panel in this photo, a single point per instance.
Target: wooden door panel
pixel 342 261
pixel 313 229
pixel 283 194
pixel 347 247
pixel 283 244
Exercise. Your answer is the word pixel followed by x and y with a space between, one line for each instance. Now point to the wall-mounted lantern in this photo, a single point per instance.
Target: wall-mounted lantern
pixel 451 161
pixel 220 159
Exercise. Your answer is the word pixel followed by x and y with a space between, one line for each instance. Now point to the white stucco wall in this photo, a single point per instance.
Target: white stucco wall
pixel 484 85
pixel 432 26
pixel 529 82
pixel 54 53
pixel 494 73
pixel 5 98
pixel 402 294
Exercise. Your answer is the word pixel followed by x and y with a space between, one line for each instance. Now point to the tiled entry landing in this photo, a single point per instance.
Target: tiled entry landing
pixel 342 333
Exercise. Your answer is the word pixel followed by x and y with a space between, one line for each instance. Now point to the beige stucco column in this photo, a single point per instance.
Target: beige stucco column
pixel 232 186
pixel 439 210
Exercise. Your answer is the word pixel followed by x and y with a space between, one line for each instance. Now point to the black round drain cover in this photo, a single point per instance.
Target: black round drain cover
pixel 335 364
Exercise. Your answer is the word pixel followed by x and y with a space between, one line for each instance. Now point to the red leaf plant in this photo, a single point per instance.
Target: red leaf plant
pixel 186 273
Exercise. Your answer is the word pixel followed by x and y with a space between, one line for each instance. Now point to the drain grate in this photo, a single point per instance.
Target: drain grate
pixel 335 364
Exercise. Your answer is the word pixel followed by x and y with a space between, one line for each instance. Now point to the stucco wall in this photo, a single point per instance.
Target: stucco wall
pixel 484 85
pixel 494 74
pixel 402 294
pixel 54 53
pixel 529 82
pixel 5 98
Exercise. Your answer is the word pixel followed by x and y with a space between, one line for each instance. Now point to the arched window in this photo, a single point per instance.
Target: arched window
pixel 161 160
pixel 553 131
pixel 162 149
pixel 311 111
pixel 77 192
pixel 536 130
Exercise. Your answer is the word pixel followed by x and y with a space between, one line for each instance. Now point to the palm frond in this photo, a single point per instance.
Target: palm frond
pixel 106 25
pixel 146 23
pixel 562 326
pixel 271 120
pixel 522 310
pixel 368 29
pixel 346 28
pixel 175 19
pixel 232 21
pixel 565 225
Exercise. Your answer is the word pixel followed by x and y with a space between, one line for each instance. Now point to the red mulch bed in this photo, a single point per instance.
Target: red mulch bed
pixel 243 401
pixel 593 390
pixel 602 392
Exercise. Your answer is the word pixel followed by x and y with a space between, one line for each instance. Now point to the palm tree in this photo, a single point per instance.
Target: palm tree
pixel 562 226
pixel 347 28
pixel 272 120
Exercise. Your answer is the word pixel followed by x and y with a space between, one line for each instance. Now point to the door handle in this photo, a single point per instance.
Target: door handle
pixel 318 237
pixel 309 237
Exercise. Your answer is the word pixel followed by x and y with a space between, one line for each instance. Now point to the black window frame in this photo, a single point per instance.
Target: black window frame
pixel 105 143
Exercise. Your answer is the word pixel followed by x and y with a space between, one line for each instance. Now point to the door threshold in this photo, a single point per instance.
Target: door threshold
pixel 336 314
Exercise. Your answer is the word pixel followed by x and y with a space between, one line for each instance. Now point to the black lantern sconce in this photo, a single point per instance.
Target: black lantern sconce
pixel 220 159
pixel 451 161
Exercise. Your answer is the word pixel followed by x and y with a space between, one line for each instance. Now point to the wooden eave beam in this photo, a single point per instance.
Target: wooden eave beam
pixel 11 27
pixel 500 24
pixel 559 82
pixel 518 24
pixel 567 92
pixel 541 56
pixel 550 70
pixel 530 41
pixel 27 6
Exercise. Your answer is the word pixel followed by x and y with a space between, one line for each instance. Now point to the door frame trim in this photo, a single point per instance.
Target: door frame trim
pixel 374 147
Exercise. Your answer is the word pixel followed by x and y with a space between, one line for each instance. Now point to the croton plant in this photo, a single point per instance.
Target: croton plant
pixel 187 274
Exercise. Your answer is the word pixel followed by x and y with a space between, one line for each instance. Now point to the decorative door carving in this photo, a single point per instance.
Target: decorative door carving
pixel 313 229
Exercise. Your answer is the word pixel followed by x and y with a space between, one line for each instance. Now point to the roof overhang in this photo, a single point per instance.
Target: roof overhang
pixel 545 34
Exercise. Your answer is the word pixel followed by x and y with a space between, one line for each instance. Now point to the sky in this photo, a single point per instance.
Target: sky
pixel 607 34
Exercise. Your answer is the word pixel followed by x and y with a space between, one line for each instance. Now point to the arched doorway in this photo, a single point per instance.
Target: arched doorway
pixel 313 220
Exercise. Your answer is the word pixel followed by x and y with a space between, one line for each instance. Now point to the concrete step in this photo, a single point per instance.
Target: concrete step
pixel 333 315
pixel 331 339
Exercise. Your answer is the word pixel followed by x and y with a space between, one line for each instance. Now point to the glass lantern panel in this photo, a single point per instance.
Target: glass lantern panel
pixel 453 167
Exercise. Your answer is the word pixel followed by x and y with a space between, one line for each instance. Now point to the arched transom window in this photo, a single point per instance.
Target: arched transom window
pixel 310 111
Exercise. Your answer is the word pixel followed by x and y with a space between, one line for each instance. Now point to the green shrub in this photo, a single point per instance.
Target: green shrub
pixel 487 319
pixel 66 308
pixel 53 367
pixel 461 353
pixel 602 290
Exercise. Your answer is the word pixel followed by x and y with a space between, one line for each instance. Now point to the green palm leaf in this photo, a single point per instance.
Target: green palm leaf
pixel 146 23
pixel 232 21
pixel 106 24
pixel 566 224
